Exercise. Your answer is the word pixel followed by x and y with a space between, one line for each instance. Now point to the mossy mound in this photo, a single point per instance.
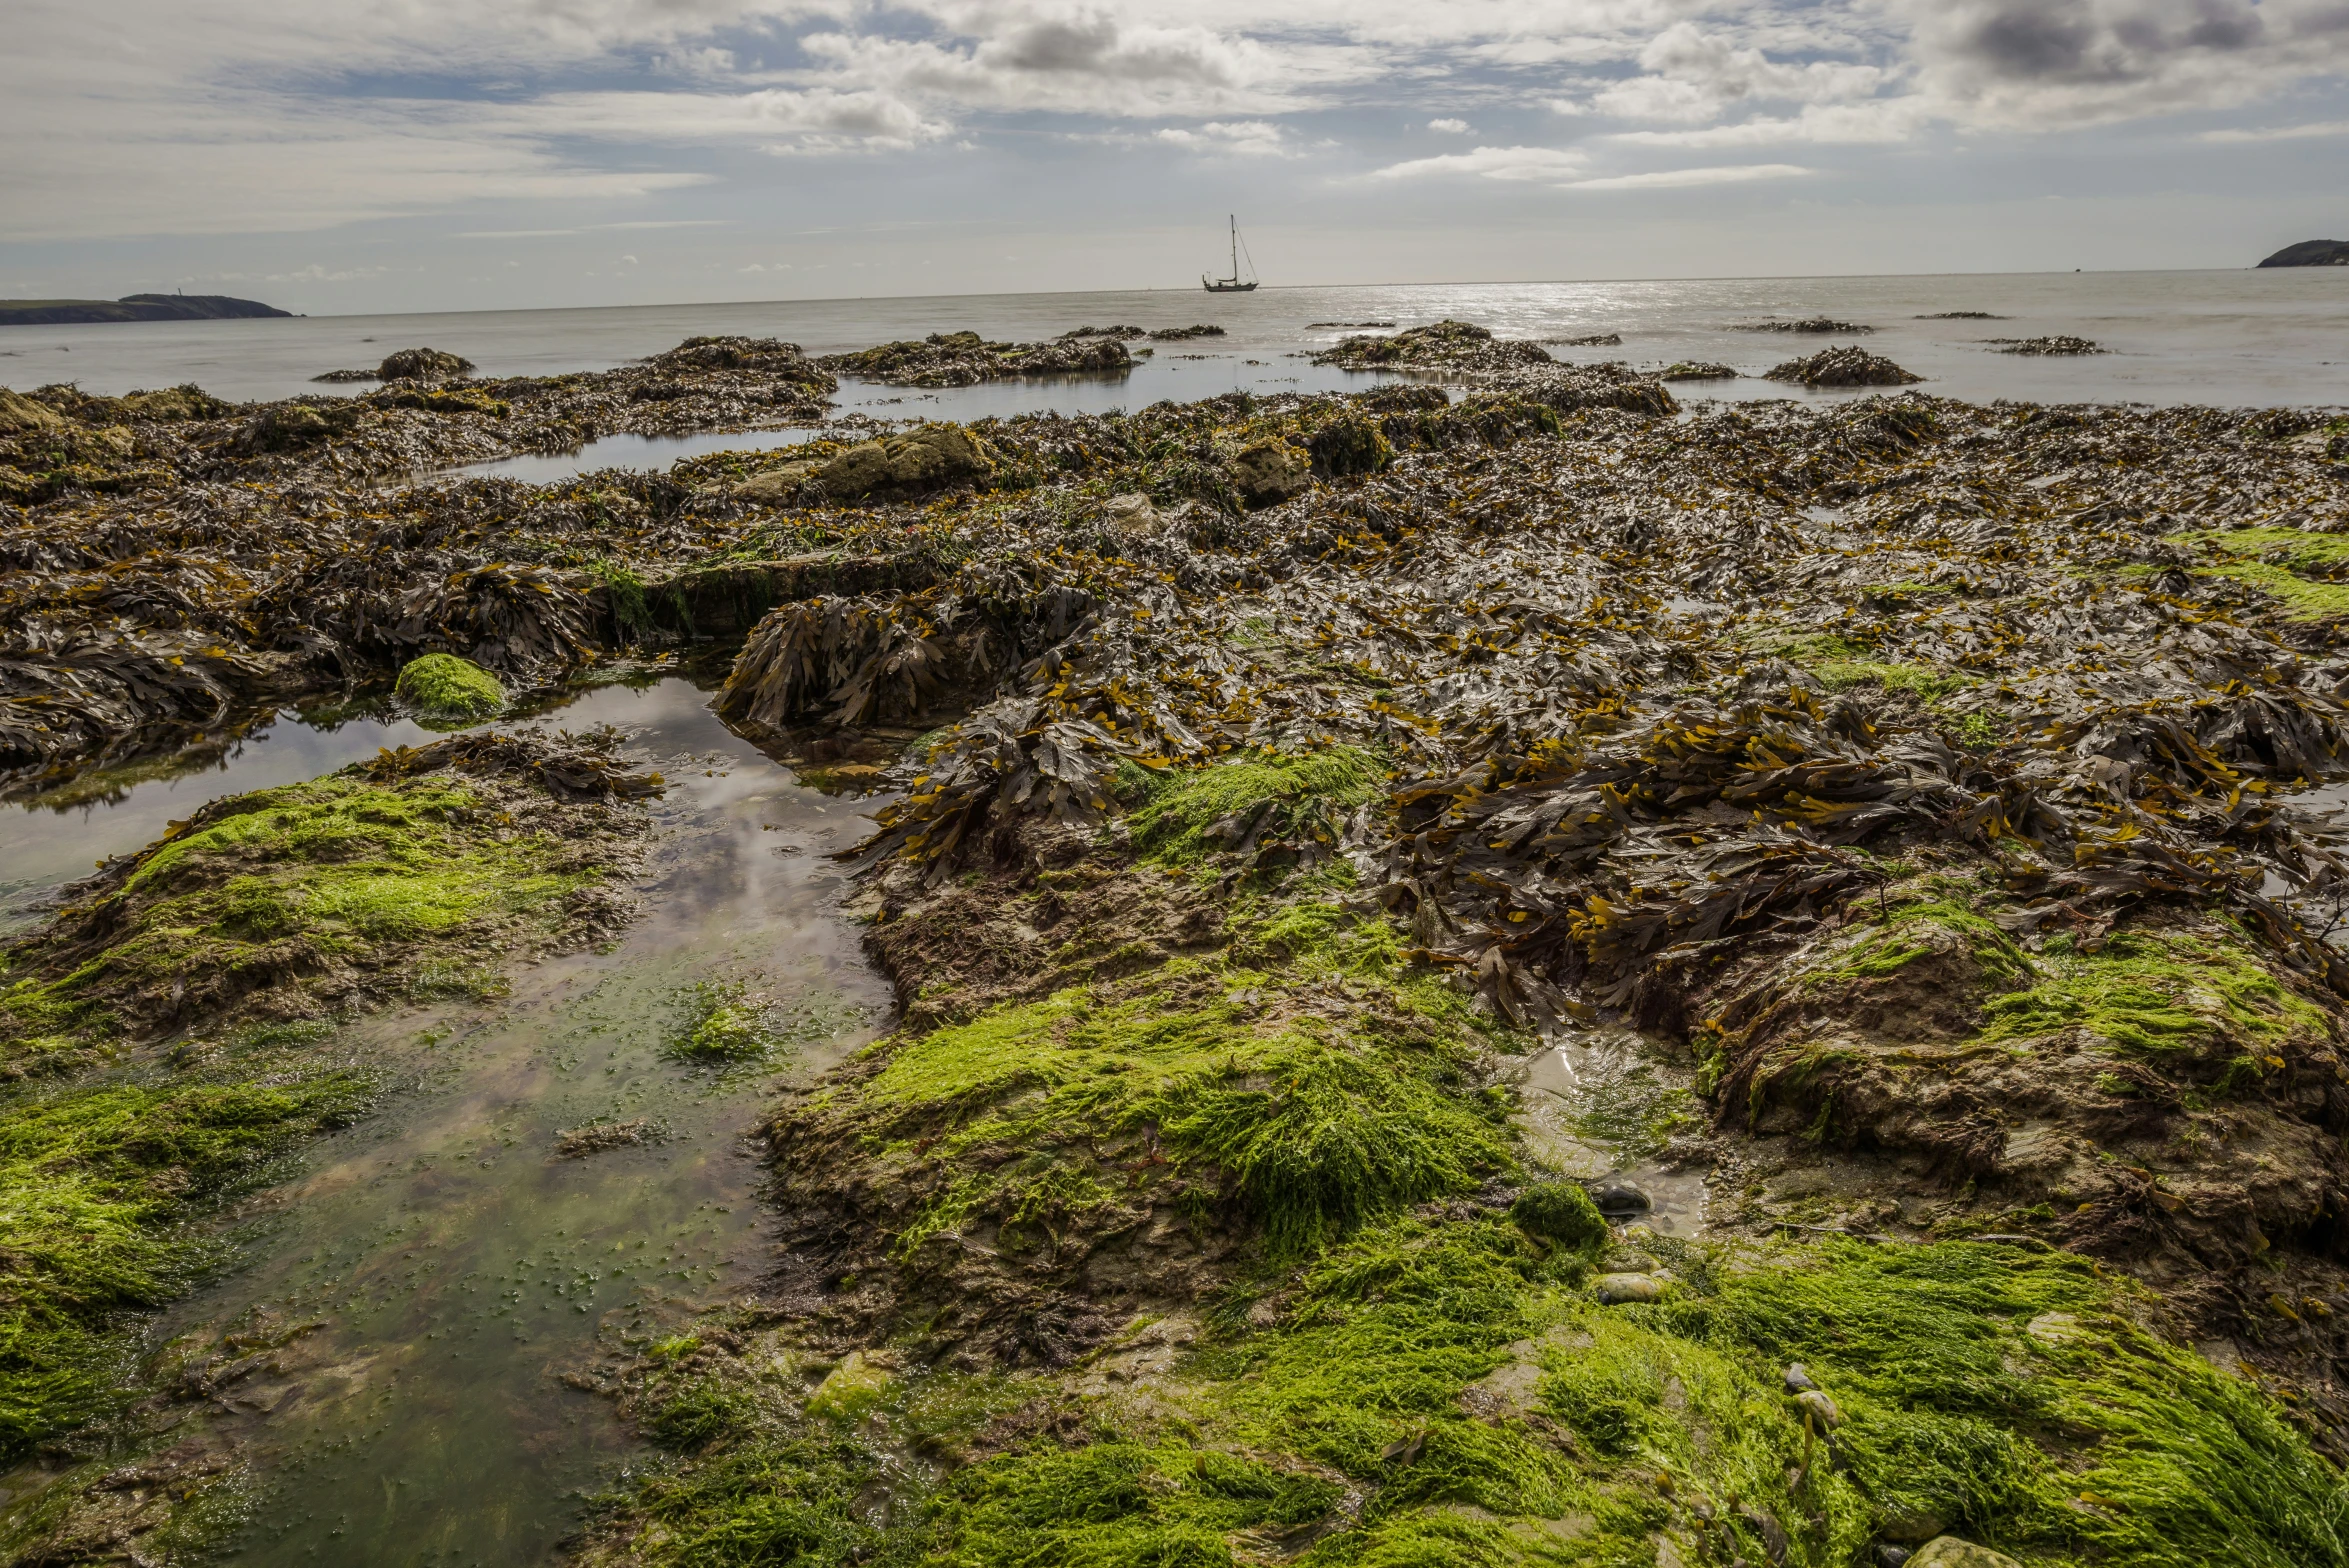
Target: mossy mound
pixel 308 898
pixel 445 688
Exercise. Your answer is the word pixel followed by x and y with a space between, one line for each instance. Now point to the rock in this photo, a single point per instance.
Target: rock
pixel 850 1389
pixel 1842 367
pixel 1560 1212
pixel 1615 1289
pixel 422 364
pixel 1130 515
pixel 444 687
pixel 595 1139
pixel 20 415
pixel 1619 1197
pixel 1950 1551
pixel 1697 370
pixel 2060 344
pixel 1766 1526
pixel 1892 1556
pixel 1911 1525
pixel 1798 1379
pixel 1821 1409
pixel 1816 326
pixel 2311 253
pixel 777 485
pixel 919 459
pixel 1271 472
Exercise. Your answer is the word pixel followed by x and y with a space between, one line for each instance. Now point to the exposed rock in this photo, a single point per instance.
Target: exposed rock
pixel 2059 344
pixel 1819 326
pixel 920 459
pixel 423 364
pixel 1697 370
pixel 1843 367
pixel 1594 340
pixel 20 415
pixel 777 486
pixel 579 1142
pixel 1271 472
pixel 1614 1289
pixel 1442 345
pixel 962 359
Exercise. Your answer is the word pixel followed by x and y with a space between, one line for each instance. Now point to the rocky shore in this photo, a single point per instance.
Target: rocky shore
pixel 1491 971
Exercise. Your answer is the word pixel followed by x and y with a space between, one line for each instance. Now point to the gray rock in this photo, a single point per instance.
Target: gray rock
pixel 1798 1379
pixel 422 364
pixel 1620 1197
pixel 777 485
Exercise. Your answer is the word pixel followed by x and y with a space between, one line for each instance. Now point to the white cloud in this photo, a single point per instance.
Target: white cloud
pixel 1670 179
pixel 1879 120
pixel 1247 138
pixel 1451 127
pixel 1521 164
pixel 2279 133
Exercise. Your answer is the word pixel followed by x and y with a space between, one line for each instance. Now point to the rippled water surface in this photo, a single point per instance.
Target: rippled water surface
pixel 2248 337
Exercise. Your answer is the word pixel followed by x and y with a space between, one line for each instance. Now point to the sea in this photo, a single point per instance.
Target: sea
pixel 2244 338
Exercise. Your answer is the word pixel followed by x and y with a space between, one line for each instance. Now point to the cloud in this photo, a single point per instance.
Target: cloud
pixel 1452 127
pixel 1518 164
pixel 2067 62
pixel 1879 120
pixel 1669 179
pixel 1247 138
pixel 2278 133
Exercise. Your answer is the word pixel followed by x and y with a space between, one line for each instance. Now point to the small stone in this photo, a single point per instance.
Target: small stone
pixel 1820 1409
pixel 1892 1556
pixel 1950 1551
pixel 1798 1379
pixel 849 1389
pixel 1614 1289
pixel 1619 1197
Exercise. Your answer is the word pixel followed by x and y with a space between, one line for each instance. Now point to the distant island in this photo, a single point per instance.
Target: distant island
pixel 2311 253
pixel 131 307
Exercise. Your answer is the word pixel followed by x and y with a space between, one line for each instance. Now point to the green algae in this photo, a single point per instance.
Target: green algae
pixel 2158 994
pixel 441 686
pixel 292 879
pixel 723 1024
pixel 1907 934
pixel 1296 793
pixel 92 1181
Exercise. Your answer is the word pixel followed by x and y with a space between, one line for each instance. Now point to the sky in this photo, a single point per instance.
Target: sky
pixel 359 155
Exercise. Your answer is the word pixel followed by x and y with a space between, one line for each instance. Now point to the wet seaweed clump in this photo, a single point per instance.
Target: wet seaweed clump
pixel 1179 334
pixel 1697 370
pixel 408 364
pixel 1443 345
pixel 1590 340
pixel 1813 326
pixel 444 688
pixel 1962 315
pixel 2058 345
pixel 1842 367
pixel 962 359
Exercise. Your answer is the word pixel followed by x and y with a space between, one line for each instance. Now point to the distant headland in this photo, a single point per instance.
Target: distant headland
pixel 2311 253
pixel 131 307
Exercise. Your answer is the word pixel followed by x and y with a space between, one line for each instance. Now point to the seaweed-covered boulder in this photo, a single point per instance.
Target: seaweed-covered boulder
pixel 20 415
pixel 1842 367
pixel 1950 1551
pixel 1271 472
pixel 1349 444
pixel 1440 345
pixel 777 486
pixel 446 689
pixel 919 459
pixel 1697 370
pixel 422 364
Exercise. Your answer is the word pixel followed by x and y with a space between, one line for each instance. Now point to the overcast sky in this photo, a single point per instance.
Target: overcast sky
pixel 347 155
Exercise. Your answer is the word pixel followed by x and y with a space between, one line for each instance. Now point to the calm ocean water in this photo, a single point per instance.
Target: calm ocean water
pixel 2236 338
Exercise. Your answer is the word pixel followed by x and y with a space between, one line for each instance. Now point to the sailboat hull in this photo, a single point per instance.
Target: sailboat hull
pixel 1229 288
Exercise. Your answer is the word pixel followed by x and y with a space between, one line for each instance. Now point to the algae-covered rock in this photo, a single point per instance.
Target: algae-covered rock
pixel 1950 1551
pixel 443 686
pixel 850 1389
pixel 1560 1212
pixel 1842 367
pixel 1271 472
pixel 776 486
pixel 1615 1289
pixel 921 459
pixel 1697 370
pixel 422 364
pixel 20 415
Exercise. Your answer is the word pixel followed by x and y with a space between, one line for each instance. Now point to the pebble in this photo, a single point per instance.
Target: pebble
pixel 1820 1408
pixel 1614 1289
pixel 1798 1379
pixel 1619 1197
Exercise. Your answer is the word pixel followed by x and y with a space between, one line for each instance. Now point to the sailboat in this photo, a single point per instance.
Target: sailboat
pixel 1232 284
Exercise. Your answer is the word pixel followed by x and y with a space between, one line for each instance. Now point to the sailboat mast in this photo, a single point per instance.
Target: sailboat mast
pixel 1235 217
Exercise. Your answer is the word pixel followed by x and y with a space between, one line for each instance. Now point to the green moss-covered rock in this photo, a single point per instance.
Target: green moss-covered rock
pixel 444 687
pixel 849 1390
pixel 1560 1212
